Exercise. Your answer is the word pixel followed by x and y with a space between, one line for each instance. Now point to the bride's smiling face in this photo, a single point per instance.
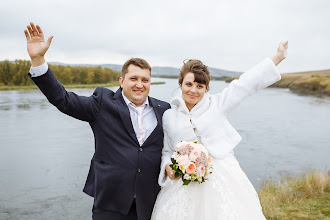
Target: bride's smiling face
pixel 192 92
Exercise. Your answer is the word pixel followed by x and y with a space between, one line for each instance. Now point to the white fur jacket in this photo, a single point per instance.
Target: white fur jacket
pixel 207 121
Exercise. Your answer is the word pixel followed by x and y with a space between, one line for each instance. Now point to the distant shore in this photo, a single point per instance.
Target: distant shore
pixel 76 86
pixel 304 83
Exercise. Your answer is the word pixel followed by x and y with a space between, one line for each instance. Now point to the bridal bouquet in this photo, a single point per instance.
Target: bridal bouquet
pixel 192 162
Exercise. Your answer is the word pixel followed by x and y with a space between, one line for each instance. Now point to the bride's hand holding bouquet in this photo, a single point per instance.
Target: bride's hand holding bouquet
pixel 190 162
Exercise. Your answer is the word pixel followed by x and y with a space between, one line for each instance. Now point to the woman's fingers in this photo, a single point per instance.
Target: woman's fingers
pixel 285 44
pixel 172 174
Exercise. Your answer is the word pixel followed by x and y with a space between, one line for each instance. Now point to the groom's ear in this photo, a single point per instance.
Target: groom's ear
pixel 121 81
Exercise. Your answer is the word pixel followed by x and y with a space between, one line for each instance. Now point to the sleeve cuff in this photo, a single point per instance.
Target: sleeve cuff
pixel 39 70
pixel 273 72
pixel 163 179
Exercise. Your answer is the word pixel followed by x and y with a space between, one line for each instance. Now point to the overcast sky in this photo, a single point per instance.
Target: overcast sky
pixel 232 35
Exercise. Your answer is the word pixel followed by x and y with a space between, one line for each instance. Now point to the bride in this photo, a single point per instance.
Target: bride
pixel 200 117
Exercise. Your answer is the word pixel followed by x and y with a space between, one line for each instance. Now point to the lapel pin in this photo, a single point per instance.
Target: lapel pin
pixel 158 105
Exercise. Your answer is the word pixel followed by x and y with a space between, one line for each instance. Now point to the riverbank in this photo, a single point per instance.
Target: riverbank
pixel 304 83
pixel 306 196
pixel 77 86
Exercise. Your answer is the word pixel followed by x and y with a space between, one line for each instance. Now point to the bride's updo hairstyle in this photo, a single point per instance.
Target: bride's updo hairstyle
pixel 200 71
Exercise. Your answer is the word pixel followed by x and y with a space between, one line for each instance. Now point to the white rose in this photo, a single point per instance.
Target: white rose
pixel 187 177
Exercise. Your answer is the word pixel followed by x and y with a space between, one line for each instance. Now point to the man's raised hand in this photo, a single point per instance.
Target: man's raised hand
pixel 36 45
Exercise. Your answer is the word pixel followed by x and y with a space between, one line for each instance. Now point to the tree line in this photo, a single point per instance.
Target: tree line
pixel 16 74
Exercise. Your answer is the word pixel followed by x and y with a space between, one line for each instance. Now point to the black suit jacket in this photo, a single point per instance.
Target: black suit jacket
pixel 120 167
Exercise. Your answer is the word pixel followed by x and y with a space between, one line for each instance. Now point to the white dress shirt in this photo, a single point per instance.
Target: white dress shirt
pixel 149 120
pixel 39 70
pixel 148 117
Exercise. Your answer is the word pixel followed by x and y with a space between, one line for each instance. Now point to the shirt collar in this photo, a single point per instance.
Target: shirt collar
pixel 128 102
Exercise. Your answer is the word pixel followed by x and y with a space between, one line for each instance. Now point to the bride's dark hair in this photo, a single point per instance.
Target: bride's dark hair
pixel 200 71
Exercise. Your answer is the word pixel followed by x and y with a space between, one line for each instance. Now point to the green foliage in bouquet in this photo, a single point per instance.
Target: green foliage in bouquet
pixel 178 173
pixel 176 168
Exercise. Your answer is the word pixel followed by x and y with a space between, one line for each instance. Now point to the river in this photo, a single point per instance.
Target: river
pixel 45 154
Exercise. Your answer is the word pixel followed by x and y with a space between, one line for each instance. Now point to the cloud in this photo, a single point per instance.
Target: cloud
pixel 231 35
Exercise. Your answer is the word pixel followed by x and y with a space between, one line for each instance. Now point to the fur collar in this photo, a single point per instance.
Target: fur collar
pixel 179 104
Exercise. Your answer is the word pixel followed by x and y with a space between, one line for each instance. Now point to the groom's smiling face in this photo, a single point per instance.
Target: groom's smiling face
pixel 136 84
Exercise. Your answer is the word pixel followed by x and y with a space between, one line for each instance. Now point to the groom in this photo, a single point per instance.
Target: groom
pixel 127 127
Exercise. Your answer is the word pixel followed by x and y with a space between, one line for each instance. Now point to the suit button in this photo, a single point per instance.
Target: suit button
pixel 139 170
pixel 141 149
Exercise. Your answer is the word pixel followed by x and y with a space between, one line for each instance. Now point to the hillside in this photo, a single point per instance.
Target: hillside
pixel 304 83
pixel 162 71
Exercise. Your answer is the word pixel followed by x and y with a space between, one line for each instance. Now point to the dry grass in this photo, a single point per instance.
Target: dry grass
pixel 312 82
pixel 306 196
pixel 77 86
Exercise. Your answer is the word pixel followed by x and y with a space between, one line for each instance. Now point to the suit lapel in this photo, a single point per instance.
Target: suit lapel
pixel 158 128
pixel 124 114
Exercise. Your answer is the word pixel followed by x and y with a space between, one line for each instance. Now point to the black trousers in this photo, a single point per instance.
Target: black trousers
pixel 101 214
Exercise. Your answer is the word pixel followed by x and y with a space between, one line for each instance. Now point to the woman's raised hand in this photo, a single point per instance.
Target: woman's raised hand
pixel 36 45
pixel 281 52
pixel 282 49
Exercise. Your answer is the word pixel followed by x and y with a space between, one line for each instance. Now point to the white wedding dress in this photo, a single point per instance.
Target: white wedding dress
pixel 226 195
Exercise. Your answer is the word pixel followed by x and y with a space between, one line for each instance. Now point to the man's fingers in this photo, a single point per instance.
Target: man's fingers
pixel 30 30
pixel 34 29
pixel 27 35
pixel 49 40
pixel 40 31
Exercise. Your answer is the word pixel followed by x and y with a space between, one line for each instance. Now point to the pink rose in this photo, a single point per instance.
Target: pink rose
pixel 184 148
pixel 191 168
pixel 183 160
pixel 194 155
pixel 201 171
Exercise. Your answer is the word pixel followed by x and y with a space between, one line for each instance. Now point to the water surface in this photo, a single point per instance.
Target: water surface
pixel 45 154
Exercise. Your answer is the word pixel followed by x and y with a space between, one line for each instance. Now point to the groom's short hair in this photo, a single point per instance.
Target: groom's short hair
pixel 136 62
